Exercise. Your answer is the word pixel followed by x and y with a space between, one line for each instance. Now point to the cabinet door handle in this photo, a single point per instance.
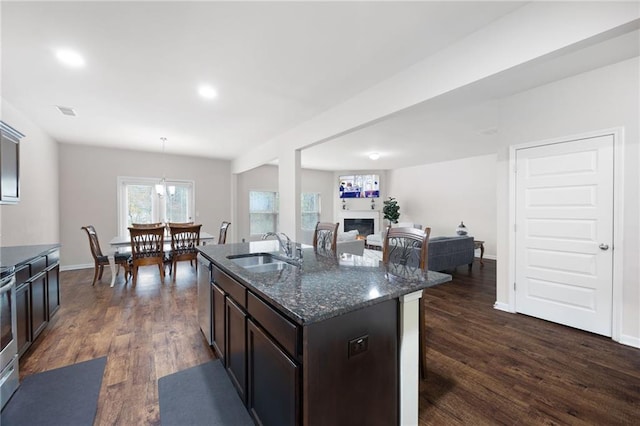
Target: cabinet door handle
pixel 604 246
pixel 8 286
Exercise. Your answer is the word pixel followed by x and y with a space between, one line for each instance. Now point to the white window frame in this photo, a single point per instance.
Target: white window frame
pixel 318 212
pixel 276 211
pixel 159 204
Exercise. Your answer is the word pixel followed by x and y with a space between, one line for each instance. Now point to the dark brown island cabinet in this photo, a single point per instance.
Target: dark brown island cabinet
pixel 37 292
pixel 339 370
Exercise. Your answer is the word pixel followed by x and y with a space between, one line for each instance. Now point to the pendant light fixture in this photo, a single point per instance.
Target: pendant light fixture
pixel 161 188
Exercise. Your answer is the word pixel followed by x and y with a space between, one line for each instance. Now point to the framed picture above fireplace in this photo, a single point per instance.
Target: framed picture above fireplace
pixel 359 186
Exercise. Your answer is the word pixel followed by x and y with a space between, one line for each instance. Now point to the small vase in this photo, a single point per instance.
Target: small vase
pixel 461 229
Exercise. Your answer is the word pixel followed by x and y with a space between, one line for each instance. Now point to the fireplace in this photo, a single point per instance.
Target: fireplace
pixel 365 221
pixel 364 226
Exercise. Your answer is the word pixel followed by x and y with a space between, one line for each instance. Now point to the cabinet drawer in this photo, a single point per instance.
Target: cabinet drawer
pixel 233 288
pixel 282 330
pixel 38 265
pixel 53 258
pixel 22 275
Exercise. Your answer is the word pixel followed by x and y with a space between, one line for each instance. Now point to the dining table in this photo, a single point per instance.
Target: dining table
pixel 121 243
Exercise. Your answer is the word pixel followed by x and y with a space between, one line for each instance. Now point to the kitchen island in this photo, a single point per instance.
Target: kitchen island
pixel 324 341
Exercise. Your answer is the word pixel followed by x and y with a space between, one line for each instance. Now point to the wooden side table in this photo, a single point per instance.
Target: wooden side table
pixel 479 244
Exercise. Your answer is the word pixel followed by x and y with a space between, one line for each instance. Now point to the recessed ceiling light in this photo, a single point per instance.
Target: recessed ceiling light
pixel 207 92
pixel 374 155
pixel 70 58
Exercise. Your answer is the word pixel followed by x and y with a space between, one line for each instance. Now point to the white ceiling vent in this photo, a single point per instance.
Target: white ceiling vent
pixel 66 110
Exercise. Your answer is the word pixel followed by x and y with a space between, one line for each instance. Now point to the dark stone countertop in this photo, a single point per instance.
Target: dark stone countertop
pixel 19 255
pixel 322 287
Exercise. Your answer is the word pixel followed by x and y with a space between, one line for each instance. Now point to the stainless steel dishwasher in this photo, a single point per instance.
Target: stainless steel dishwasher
pixel 204 297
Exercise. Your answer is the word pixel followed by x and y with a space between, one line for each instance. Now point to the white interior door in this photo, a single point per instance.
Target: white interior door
pixel 564 233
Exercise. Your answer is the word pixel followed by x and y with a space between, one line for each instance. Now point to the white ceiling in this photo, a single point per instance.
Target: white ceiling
pixel 463 123
pixel 274 65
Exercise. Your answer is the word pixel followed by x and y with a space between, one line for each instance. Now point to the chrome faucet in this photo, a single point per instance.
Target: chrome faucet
pixel 284 246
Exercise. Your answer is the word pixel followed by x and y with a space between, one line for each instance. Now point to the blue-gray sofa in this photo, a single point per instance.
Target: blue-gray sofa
pixel 447 253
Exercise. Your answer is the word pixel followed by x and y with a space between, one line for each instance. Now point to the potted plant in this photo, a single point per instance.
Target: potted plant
pixel 391 210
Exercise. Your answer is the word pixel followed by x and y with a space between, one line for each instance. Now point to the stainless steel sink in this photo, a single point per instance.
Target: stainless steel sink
pixel 260 262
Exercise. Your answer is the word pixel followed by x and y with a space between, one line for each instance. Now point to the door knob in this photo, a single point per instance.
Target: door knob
pixel 604 246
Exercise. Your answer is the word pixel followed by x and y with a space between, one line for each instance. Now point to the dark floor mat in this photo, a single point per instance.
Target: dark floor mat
pixel 201 395
pixel 64 396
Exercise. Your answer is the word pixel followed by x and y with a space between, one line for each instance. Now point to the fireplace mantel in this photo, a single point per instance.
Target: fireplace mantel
pixel 359 214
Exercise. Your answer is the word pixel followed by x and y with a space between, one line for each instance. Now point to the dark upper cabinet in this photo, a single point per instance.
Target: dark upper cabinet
pixel 9 164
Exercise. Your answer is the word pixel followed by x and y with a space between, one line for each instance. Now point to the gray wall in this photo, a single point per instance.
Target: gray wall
pixel 265 178
pixel 601 99
pixel 88 177
pixel 34 220
pixel 604 98
pixel 441 195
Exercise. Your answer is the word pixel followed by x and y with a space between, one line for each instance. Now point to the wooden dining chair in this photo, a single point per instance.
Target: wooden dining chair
pixel 325 237
pixel 147 248
pixel 222 238
pixel 184 240
pixel 410 247
pixel 100 260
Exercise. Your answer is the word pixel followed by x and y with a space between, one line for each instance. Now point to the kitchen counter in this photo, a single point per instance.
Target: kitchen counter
pixel 322 287
pixel 37 288
pixel 20 255
pixel 332 340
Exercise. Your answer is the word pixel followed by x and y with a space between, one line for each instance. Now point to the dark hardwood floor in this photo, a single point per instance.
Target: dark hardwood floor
pixel 147 331
pixel 484 366
pixel 491 367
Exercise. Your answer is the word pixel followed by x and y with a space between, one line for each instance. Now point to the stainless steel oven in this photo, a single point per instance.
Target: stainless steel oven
pixel 9 376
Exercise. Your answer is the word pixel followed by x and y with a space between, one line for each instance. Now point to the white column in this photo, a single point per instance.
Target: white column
pixel 289 190
pixel 233 236
pixel 409 358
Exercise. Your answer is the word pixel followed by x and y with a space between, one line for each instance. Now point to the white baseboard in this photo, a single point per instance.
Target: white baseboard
pixel 487 256
pixel 502 307
pixel 633 341
pixel 76 267
pixel 625 339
